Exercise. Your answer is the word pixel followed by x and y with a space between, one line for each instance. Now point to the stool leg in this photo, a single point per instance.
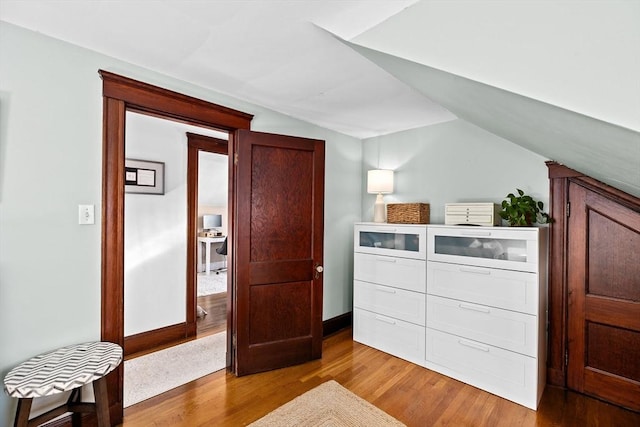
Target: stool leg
pixel 102 402
pixel 75 397
pixel 22 413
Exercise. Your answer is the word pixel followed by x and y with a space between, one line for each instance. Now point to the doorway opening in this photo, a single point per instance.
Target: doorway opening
pixel 275 255
pixel 121 94
pixel 209 157
pixel 159 310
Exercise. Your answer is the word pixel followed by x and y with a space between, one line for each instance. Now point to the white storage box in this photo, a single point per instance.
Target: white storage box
pixel 472 214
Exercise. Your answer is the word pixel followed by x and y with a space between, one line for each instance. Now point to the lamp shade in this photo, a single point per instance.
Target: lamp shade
pixel 380 181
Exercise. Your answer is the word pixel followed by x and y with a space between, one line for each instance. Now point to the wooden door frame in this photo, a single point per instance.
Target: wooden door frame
pixel 195 144
pixel 122 94
pixel 560 177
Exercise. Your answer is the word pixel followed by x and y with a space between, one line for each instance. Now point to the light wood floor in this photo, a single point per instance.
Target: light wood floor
pixel 414 395
pixel 216 320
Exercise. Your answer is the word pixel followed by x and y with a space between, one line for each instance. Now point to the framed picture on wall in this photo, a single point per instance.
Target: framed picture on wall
pixel 143 177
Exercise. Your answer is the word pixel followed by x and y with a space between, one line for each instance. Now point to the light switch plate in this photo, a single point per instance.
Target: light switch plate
pixel 86 214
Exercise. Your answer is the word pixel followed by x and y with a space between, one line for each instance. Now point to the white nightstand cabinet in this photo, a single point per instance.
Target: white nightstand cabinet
pixel 486 308
pixel 389 290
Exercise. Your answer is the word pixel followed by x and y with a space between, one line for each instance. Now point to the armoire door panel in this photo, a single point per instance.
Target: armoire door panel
pixel 612 240
pixel 603 277
pixel 608 350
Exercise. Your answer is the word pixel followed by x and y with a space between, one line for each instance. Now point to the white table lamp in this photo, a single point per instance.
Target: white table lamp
pixel 379 181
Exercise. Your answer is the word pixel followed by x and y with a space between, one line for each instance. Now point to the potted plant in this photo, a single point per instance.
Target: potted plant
pixel 523 210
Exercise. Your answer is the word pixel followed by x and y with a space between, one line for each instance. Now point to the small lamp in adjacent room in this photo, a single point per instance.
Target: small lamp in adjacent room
pixel 379 181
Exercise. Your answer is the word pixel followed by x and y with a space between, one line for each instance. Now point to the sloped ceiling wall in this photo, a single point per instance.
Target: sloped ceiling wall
pixel 599 149
pixel 561 79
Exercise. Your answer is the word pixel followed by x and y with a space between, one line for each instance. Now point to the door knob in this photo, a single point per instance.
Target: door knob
pixel 319 269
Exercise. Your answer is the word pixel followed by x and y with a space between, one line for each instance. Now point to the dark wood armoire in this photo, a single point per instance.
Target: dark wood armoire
pixel 594 288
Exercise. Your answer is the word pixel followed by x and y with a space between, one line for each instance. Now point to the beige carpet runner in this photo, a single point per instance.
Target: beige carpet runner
pixel 328 405
pixel 152 374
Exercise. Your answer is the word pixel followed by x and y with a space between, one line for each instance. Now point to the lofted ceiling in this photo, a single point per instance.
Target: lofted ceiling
pixel 559 78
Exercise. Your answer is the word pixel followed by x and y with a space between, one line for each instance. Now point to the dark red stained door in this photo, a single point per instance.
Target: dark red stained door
pixel 604 298
pixel 278 255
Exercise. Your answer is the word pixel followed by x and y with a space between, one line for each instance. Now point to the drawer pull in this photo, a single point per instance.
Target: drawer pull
pixel 386 260
pixel 474 271
pixel 385 290
pixel 386 320
pixel 473 345
pixel 474 308
pixel 476 233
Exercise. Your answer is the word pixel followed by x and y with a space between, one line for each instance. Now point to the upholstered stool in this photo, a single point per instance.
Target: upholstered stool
pixel 66 369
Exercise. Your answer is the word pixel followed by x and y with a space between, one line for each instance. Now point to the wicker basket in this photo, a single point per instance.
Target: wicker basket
pixel 408 213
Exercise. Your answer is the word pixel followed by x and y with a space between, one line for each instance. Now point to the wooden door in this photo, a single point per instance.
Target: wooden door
pixel 278 251
pixel 603 298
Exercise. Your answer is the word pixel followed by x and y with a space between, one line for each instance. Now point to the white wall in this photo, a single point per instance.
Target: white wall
pixel 213 179
pixel 452 162
pixel 155 232
pixel 50 161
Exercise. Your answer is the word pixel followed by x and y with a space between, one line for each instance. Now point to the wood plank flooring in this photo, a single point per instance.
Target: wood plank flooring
pixel 414 395
pixel 216 320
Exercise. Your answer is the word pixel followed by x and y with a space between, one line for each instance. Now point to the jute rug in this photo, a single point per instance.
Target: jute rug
pixel 154 373
pixel 328 405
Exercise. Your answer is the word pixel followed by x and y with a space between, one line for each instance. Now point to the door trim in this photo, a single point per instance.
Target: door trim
pixel 560 177
pixel 590 369
pixel 121 94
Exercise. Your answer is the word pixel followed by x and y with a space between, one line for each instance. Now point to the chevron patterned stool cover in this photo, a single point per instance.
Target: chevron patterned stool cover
pixel 62 370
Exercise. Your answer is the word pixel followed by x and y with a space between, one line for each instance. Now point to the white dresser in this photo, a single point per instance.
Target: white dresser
pixel 389 289
pixel 486 308
pixel 468 302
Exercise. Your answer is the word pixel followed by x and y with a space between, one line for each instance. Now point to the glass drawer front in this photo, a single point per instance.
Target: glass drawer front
pixel 402 242
pixel 479 247
pixel 398 241
pixel 510 248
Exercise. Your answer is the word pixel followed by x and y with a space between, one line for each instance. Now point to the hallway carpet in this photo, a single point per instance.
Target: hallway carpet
pixel 154 373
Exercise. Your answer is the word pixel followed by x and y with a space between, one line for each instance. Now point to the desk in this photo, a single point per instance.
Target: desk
pixel 207 241
pixel 65 369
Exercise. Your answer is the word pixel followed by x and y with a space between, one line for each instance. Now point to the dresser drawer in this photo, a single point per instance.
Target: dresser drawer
pixel 398 303
pixel 511 290
pixel 507 374
pixel 393 336
pixel 405 241
pixel 502 328
pixel 409 274
pixel 506 248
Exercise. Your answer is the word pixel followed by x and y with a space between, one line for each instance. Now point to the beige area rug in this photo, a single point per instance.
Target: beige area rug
pixel 154 373
pixel 328 405
pixel 211 283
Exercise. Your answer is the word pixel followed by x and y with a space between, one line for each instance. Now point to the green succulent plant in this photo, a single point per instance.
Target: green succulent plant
pixel 523 210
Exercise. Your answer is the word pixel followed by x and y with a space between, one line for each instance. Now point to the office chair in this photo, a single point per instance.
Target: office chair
pixel 222 250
